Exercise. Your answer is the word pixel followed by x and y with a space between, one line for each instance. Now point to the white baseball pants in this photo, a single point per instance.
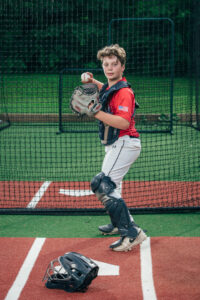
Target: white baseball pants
pixel 118 160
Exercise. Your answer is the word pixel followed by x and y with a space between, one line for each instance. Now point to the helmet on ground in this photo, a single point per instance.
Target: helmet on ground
pixel 72 272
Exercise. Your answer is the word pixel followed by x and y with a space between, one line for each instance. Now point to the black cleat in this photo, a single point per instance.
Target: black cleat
pixel 108 229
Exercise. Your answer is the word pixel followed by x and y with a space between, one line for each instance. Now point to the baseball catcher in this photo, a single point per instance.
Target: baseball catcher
pixel 117 132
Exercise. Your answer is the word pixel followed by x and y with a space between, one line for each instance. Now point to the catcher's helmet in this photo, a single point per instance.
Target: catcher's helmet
pixel 72 272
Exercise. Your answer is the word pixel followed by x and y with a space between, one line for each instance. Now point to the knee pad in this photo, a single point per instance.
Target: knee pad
pixel 102 184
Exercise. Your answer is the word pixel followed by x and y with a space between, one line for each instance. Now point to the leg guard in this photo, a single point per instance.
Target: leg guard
pixel 103 186
pixel 120 216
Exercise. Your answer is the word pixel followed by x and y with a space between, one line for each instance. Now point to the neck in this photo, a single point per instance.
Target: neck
pixel 113 82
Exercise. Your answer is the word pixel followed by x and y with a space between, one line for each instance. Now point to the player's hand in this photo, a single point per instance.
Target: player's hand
pixel 87 77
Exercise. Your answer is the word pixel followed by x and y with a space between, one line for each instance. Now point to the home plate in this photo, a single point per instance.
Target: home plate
pixel 104 269
pixel 76 193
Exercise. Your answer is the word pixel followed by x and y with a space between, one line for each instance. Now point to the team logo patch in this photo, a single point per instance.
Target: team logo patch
pixel 123 108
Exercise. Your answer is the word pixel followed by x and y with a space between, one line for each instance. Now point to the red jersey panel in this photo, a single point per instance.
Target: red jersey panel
pixel 122 104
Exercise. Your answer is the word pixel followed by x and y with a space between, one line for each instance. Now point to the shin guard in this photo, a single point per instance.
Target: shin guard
pixel 120 216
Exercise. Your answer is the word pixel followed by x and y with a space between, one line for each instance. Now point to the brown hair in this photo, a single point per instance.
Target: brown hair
pixel 116 50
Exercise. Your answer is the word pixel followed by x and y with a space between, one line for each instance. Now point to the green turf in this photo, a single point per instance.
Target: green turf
pixel 186 225
pixel 38 153
pixel 38 93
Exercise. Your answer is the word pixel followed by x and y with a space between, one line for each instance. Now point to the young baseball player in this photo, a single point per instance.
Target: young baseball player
pixel 122 146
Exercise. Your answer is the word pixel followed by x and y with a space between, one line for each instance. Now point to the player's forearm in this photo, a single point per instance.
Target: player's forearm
pixel 112 120
pixel 98 83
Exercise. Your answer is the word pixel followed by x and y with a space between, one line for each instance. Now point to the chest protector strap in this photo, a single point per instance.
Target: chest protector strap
pixel 107 134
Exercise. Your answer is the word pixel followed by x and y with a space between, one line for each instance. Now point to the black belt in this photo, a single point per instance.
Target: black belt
pixel 133 137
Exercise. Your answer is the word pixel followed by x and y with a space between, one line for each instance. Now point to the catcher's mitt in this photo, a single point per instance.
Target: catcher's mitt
pixel 85 99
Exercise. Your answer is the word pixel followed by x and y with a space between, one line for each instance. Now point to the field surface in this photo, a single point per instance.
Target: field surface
pixel 169 257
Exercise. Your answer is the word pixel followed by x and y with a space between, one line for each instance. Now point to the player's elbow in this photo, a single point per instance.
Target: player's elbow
pixel 124 125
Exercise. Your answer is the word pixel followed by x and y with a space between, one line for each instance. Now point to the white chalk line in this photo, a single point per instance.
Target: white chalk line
pixel 148 288
pixel 25 270
pixel 35 200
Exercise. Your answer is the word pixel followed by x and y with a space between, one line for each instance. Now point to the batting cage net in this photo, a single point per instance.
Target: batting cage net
pixel 4 119
pixel 48 155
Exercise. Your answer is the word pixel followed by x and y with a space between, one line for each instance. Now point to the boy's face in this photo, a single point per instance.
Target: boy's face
pixel 113 69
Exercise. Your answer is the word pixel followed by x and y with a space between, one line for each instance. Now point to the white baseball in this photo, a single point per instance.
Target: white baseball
pixel 85 77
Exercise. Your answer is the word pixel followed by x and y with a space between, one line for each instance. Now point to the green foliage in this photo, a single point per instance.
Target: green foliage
pixel 47 36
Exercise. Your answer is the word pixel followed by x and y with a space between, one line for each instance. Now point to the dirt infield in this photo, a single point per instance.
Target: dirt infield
pixel 164 268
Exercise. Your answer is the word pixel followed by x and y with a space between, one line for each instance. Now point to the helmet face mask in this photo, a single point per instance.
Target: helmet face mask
pixel 55 271
pixel 70 272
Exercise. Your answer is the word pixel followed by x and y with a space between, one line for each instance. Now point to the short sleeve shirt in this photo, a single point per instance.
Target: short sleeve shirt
pixel 122 104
